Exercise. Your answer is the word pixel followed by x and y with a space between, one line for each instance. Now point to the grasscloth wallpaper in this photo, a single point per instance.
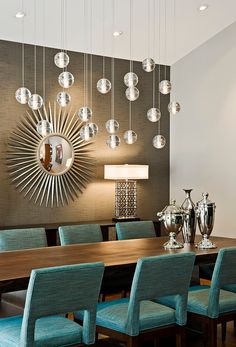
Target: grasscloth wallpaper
pixel 97 200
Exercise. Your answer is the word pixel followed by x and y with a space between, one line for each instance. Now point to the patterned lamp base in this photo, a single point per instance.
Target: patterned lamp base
pixel 125 200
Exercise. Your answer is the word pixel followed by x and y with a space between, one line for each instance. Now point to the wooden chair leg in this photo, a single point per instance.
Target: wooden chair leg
pixel 212 325
pixel 223 331
pixel 180 337
pixel 132 341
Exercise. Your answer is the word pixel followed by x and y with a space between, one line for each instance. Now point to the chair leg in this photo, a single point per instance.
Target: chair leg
pixel 132 341
pixel 223 331
pixel 180 337
pixel 212 333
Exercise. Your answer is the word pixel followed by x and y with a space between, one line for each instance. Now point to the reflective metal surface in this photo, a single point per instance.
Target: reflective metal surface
pixel 190 218
pixel 206 218
pixel 173 218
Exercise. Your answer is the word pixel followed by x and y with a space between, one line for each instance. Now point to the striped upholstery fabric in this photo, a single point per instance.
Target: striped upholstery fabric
pixel 82 233
pixel 154 277
pixel 135 230
pixel 49 294
pixel 14 239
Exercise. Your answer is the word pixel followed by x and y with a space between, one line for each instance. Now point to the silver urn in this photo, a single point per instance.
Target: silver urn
pixel 173 218
pixel 206 218
pixel 190 220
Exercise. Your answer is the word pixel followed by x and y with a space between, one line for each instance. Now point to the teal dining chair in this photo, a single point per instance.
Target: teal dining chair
pixel 133 320
pixel 17 239
pixel 49 297
pixel 135 230
pixel 81 233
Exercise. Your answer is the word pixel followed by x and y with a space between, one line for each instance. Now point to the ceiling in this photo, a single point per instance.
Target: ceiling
pixel 185 29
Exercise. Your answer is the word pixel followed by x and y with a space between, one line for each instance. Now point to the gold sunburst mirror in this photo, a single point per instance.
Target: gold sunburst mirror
pixel 51 169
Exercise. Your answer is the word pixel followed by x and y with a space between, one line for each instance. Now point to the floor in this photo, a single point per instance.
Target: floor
pixel 192 340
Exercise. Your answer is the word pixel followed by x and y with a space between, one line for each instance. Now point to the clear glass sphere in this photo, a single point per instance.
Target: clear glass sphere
pixel 130 137
pixel 165 87
pixel 85 113
pixel 131 79
pixel 35 101
pixel 66 79
pixel 63 99
pixel 103 86
pixel 44 127
pixel 154 114
pixel 174 107
pixel 132 93
pixel 112 126
pixel 148 64
pixel 94 128
pixel 159 141
pixel 86 132
pixel 113 141
pixel 61 59
pixel 22 95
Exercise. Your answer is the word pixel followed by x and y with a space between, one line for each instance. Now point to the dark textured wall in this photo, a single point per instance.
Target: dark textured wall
pixel 97 200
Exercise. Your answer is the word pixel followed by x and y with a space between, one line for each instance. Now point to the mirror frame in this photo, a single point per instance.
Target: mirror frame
pixel 25 169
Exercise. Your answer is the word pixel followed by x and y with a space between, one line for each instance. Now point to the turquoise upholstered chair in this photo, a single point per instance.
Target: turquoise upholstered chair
pixel 49 296
pixel 135 230
pixel 82 233
pixel 16 239
pixel 133 319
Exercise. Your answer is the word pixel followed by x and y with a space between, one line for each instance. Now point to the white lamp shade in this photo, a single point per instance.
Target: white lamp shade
pixel 126 172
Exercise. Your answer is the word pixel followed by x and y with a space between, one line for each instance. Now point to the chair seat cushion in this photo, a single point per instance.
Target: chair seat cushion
pixel 198 302
pixel 230 287
pixel 53 331
pixel 113 315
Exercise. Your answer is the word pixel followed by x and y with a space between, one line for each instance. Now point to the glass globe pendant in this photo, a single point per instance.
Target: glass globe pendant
pixel 94 128
pixel 165 87
pixel 35 101
pixel 85 113
pixel 159 141
pixel 130 137
pixel 61 59
pixel 66 79
pixel 44 127
pixel 132 93
pixel 112 126
pixel 103 86
pixel 88 131
pixel 113 141
pixel 22 95
pixel 153 114
pixel 148 64
pixel 131 79
pixel 63 99
pixel 174 107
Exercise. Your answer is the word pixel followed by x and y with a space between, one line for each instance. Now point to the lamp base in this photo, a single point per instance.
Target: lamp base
pixel 125 219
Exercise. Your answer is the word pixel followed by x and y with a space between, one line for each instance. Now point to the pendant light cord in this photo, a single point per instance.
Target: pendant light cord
pixel 23 46
pixel 131 35
pixel 91 55
pixel 103 38
pixel 165 41
pixel 130 115
pixel 159 71
pixel 113 65
pixel 35 50
pixel 44 79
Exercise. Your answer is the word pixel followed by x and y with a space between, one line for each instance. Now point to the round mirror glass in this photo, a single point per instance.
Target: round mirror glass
pixel 55 154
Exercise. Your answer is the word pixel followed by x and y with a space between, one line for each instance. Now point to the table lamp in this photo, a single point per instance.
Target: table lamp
pixel 125 190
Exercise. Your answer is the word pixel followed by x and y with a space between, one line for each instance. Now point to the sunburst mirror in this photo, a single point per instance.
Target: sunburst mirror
pixel 50 170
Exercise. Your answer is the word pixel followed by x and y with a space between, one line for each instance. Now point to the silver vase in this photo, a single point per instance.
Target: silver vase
pixel 190 219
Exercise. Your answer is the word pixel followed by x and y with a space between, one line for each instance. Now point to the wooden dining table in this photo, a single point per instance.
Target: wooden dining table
pixel 16 266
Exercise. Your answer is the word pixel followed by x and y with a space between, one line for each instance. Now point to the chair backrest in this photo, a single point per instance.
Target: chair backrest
pixel 135 230
pixel 224 274
pixel 82 233
pixel 160 276
pixel 59 290
pixel 13 239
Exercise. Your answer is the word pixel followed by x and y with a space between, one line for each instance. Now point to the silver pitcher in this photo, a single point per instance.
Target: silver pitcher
pixel 206 218
pixel 190 219
pixel 173 218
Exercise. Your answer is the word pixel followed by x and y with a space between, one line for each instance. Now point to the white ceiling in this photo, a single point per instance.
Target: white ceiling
pixel 192 28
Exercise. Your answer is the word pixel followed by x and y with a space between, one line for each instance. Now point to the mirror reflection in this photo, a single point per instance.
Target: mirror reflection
pixel 55 154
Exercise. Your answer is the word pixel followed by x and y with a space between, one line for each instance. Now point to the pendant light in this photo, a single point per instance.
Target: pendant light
pixel 131 79
pixel 130 136
pixel 22 94
pixel 35 101
pixel 165 85
pixel 61 60
pixel 103 84
pixel 149 64
pixel 174 106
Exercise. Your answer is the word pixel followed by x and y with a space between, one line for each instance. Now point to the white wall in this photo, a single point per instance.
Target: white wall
pixel 203 135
